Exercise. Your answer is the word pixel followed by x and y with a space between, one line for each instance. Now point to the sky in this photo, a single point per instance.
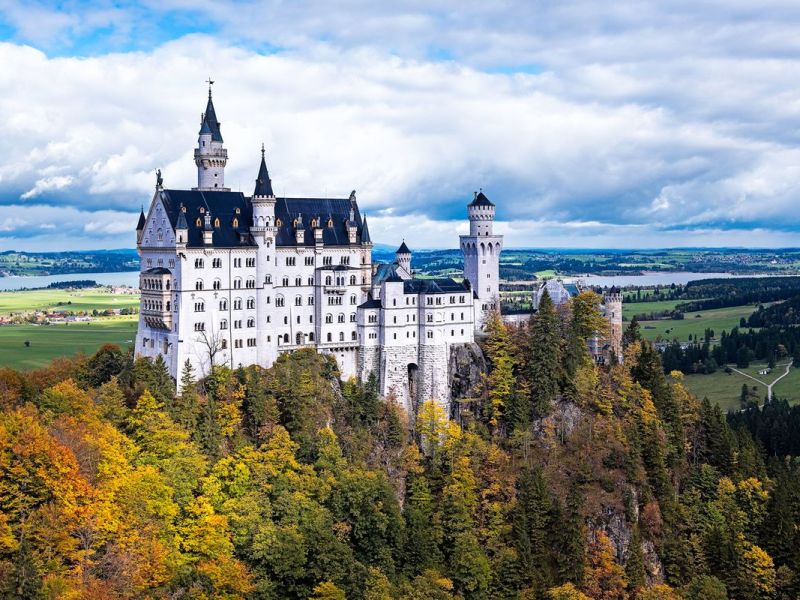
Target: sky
pixel 589 124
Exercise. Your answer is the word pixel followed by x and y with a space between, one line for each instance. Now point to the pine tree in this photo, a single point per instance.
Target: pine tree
pixel 422 530
pixel 545 360
pixel 532 525
pixel 186 407
pixel 634 566
pixel 632 333
pixel 572 539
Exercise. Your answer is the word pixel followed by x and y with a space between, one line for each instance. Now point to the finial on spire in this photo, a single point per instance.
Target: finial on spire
pixel 210 82
pixel 262 150
pixel 474 195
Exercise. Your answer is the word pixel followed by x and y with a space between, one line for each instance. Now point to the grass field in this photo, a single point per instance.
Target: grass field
pixel 695 323
pixel 725 388
pixel 639 308
pixel 53 341
pixel 77 300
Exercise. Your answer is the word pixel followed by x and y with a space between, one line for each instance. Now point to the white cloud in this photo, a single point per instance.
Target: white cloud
pixel 643 119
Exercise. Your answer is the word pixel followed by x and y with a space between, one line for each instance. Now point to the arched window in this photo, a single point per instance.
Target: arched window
pixel 223 324
pixel 216 223
pixel 298 338
pixel 341 318
pixel 353 299
pixel 198 222
pixel 329 318
pixel 330 222
pixel 198 285
pixel 286 338
pixel 352 279
pixel 223 304
pixel 160 235
pixel 330 337
pixel 278 222
pixel 251 322
pixel 354 336
pixel 217 284
pixel 279 301
pixel 198 263
pixel 235 223
pixel 352 317
pixel 341 336
pixel 251 303
pixel 328 280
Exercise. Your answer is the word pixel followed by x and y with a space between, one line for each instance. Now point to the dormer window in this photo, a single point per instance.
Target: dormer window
pixel 183 209
pixel 238 210
pixel 313 222
pixel 294 223
pixel 278 222
pixel 198 222
pixel 216 223
pixel 235 221
pixel 202 210
pixel 330 222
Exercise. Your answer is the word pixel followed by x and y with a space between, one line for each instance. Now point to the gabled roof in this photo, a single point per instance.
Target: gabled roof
pixel 210 123
pixel 403 249
pixel 181 222
pixel 221 205
pixel 371 303
pixel 481 200
pixel 140 225
pixel 439 285
pixel 263 182
pixel 337 210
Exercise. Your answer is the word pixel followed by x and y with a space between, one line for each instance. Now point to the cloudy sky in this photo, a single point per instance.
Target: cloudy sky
pixel 589 124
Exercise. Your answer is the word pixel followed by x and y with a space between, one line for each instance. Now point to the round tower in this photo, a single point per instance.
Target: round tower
pixel 612 301
pixel 403 257
pixel 481 250
pixel 210 156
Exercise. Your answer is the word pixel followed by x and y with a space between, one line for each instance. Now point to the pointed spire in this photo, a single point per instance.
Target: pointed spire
pixel 365 232
pixel 181 222
pixel 210 123
pixel 403 249
pixel 140 226
pixel 263 182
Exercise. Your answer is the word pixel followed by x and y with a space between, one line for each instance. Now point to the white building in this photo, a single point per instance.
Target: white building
pixel 234 280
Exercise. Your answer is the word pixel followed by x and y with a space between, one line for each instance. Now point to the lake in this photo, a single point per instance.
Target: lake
pixel 130 278
pixel 653 279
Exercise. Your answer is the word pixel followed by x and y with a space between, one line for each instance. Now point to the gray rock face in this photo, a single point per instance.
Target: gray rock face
pixel 465 373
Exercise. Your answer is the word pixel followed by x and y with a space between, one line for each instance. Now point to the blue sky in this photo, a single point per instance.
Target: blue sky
pixel 630 125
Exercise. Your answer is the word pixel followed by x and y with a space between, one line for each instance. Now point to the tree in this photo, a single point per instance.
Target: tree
pixel 605 579
pixel 566 592
pixel 186 406
pixel 706 587
pixel 755 576
pixel 111 402
pixel 327 591
pixel 532 525
pixel 545 361
pixel 423 532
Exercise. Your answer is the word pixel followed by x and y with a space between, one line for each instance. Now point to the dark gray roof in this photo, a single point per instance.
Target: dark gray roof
pixel 140 225
pixel 371 303
pixel 440 285
pixel 210 123
pixel 221 205
pixel 181 222
pixel 481 200
pixel 403 249
pixel 157 271
pixel 322 209
pixel 365 232
pixel 263 182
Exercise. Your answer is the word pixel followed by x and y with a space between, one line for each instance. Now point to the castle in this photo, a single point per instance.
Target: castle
pixel 235 280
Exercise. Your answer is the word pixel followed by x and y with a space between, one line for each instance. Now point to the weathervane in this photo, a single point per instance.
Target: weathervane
pixel 210 82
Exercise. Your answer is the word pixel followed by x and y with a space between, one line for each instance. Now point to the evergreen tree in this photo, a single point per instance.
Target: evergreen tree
pixel 545 361
pixel 186 406
pixel 422 530
pixel 532 526
pixel 634 567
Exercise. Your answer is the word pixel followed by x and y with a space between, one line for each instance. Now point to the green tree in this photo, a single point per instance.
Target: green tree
pixel 546 357
pixel 532 525
pixel 423 532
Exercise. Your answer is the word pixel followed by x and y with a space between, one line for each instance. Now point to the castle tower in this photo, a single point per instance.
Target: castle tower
pixel 403 258
pixel 612 302
pixel 210 156
pixel 481 250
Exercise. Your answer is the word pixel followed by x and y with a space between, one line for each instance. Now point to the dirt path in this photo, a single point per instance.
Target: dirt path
pixel 767 385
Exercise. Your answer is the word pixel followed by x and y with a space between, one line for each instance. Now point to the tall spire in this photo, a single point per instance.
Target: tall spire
pixel 365 232
pixel 210 123
pixel 263 182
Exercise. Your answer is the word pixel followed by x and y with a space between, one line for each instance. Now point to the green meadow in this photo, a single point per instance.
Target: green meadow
pixel 64 339
pixel 75 300
pixel 695 323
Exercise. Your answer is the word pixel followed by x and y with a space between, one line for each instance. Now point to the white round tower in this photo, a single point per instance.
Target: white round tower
pixel 481 250
pixel 210 156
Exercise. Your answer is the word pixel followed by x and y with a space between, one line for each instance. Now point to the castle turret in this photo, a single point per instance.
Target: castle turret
pixel 181 230
pixel 140 227
pixel 612 303
pixel 208 230
pixel 403 257
pixel 210 156
pixel 481 250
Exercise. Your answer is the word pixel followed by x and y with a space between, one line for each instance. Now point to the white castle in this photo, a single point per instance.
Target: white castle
pixel 236 280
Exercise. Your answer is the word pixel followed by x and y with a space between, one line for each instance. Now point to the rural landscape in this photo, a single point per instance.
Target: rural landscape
pixel 399 300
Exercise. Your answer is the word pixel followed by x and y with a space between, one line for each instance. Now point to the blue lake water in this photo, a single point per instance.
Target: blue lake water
pixel 651 279
pixel 130 278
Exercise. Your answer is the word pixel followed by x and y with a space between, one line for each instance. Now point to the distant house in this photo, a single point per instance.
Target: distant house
pixel 765 371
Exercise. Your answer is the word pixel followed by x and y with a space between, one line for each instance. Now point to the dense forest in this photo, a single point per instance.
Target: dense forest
pixel 557 479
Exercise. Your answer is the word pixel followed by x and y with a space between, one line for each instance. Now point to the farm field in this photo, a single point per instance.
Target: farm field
pixel 53 341
pixel 725 388
pixel 638 308
pixel 76 300
pixel 695 323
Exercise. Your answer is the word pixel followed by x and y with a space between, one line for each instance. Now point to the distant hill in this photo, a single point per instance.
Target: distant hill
pixel 17 263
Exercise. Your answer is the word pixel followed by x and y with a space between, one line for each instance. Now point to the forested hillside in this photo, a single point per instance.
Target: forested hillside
pixel 559 479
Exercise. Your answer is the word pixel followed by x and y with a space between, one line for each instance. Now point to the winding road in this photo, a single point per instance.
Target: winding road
pixel 769 386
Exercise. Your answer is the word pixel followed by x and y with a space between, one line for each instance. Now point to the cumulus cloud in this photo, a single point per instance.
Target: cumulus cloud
pixel 665 123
